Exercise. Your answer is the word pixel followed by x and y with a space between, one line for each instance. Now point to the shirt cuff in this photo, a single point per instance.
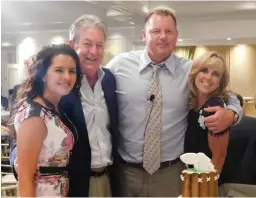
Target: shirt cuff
pixel 239 113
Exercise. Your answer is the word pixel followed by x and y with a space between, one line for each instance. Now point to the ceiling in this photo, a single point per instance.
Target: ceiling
pixel 19 17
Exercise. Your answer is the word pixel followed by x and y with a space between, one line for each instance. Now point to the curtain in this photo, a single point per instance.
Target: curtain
pixel 185 51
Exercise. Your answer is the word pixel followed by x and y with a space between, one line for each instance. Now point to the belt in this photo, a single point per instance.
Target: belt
pixel 162 165
pixel 99 173
pixel 52 170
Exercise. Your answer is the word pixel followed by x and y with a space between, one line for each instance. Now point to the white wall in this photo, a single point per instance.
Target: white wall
pixel 204 30
pixel 26 44
pixel 23 46
pixel 243 69
pixel 36 41
pixel 8 55
pixel 211 32
pixel 194 32
pixel 241 60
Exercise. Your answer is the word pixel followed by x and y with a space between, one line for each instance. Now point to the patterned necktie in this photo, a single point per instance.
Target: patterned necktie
pixel 151 154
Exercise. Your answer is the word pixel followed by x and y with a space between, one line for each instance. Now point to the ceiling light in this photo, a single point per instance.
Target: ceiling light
pixel 27 23
pixel 131 22
pixel 248 5
pixel 228 39
pixel 6 44
pixel 28 40
pixel 145 9
pixel 113 13
pixel 115 36
pixel 57 40
pixel 57 22
pixel 180 40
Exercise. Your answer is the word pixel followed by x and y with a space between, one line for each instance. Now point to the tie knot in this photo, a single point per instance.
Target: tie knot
pixel 155 67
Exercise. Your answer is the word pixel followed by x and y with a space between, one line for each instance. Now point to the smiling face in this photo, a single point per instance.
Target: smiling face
pixel 208 80
pixel 160 36
pixel 61 76
pixel 90 49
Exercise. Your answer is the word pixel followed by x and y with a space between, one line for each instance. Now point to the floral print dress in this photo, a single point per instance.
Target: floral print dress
pixel 55 150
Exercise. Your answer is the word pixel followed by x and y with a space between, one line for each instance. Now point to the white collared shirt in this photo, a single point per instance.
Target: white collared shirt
pixel 97 121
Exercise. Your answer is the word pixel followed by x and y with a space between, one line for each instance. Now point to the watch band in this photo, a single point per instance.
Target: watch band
pixel 235 117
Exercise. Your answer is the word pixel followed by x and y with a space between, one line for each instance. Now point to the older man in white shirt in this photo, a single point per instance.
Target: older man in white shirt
pixel 98 102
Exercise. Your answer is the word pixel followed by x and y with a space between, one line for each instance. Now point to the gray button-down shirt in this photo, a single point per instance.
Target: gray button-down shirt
pixel 132 77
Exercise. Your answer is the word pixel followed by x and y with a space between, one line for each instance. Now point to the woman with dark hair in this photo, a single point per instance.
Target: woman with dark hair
pixel 44 142
pixel 208 81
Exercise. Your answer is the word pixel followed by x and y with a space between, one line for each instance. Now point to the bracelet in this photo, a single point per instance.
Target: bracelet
pixel 218 134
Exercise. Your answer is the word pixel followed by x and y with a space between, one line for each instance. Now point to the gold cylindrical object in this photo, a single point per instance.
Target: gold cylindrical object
pixel 186 185
pixel 213 185
pixel 195 185
pixel 203 186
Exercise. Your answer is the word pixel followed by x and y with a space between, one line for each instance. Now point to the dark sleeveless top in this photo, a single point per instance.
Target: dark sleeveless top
pixel 196 136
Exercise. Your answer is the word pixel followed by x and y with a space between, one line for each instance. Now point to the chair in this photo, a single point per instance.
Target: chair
pixel 9 191
pixel 237 190
pixel 8 181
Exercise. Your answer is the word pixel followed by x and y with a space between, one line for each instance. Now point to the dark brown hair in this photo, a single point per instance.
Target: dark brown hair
pixel 33 85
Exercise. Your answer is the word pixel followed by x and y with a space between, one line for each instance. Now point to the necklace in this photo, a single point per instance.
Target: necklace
pixel 76 139
pixel 49 104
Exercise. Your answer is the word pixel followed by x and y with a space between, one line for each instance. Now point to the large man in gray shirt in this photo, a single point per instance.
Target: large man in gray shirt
pixel 133 71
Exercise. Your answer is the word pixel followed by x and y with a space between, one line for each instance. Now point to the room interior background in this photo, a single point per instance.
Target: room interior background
pixel 226 27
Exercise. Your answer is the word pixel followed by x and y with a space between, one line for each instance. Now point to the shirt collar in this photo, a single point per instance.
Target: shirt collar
pixel 145 61
pixel 100 74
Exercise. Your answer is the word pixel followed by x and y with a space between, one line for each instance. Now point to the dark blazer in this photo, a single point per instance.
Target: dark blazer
pixel 80 161
pixel 4 102
pixel 79 167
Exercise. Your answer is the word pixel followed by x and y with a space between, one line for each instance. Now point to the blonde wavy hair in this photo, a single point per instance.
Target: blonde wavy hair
pixel 208 60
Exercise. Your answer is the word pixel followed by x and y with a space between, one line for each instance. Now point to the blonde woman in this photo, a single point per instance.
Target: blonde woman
pixel 208 80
